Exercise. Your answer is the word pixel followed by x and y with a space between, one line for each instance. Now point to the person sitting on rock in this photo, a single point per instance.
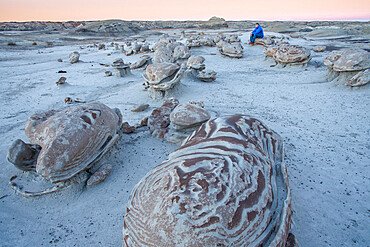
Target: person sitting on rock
pixel 256 33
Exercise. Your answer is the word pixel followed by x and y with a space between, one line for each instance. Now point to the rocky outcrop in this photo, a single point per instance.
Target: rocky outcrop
pixel 344 65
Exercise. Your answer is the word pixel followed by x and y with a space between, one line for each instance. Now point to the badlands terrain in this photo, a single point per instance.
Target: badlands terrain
pixel 325 125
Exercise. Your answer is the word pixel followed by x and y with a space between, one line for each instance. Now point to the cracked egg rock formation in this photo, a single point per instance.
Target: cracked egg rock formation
pixel 226 186
pixel 292 54
pixel 71 141
pixel 345 65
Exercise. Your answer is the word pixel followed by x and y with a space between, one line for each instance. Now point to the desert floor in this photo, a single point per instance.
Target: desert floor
pixel 326 128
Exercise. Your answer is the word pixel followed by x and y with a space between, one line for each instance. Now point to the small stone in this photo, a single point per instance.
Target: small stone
pixel 319 48
pixel 139 107
pixel 101 47
pixel 100 175
pixel 207 75
pixel 108 73
pixel 68 100
pixel 74 57
pixel 60 60
pixel 144 122
pixel 79 100
pixel 127 128
pixel 61 80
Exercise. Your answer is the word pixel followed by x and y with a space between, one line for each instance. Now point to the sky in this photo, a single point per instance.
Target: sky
pixel 64 10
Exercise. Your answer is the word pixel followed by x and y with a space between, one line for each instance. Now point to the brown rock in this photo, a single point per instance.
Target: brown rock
pixel 159 119
pixel 100 175
pixel 127 128
pixel 189 115
pixel 61 80
pixel 139 107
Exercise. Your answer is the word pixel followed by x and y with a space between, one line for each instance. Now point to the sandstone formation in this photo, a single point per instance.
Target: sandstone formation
pixel 161 77
pixel 292 54
pixel 343 65
pixel 121 68
pixel 227 185
pixel 70 141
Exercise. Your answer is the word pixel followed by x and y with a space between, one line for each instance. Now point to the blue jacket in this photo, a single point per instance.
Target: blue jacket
pixel 258 30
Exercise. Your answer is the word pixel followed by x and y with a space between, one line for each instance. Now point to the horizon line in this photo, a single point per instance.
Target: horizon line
pixel 358 19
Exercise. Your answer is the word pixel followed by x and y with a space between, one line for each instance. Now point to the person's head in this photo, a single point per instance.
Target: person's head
pixel 257 24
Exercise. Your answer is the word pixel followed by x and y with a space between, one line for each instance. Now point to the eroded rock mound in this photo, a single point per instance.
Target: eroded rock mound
pixel 344 64
pixel 292 54
pixel 161 77
pixel 163 55
pixel 143 61
pixel 265 41
pixel 185 118
pixel 360 79
pixel 181 52
pixel 70 140
pixel 227 185
pixel 233 50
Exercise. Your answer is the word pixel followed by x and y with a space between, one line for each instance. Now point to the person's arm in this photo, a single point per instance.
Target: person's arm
pixel 257 30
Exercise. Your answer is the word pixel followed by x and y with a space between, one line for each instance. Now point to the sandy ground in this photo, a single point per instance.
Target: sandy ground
pixel 325 127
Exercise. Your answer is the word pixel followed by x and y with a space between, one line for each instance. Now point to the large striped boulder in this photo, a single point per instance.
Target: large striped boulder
pixel 227 185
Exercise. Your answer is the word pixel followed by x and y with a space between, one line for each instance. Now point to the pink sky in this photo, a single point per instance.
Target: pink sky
pixel 28 10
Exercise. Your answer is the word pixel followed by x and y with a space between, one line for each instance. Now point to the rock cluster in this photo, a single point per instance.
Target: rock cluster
pixel 174 122
pixel 197 67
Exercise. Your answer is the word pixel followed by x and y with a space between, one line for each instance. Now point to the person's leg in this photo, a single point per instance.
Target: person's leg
pixel 259 36
pixel 253 38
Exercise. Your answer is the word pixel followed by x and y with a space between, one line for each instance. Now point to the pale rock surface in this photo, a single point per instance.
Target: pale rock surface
pixel 74 57
pixel 233 50
pixel 143 61
pixel 360 79
pixel 344 64
pixel 163 55
pixel 181 52
pixel 196 62
pixel 207 75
